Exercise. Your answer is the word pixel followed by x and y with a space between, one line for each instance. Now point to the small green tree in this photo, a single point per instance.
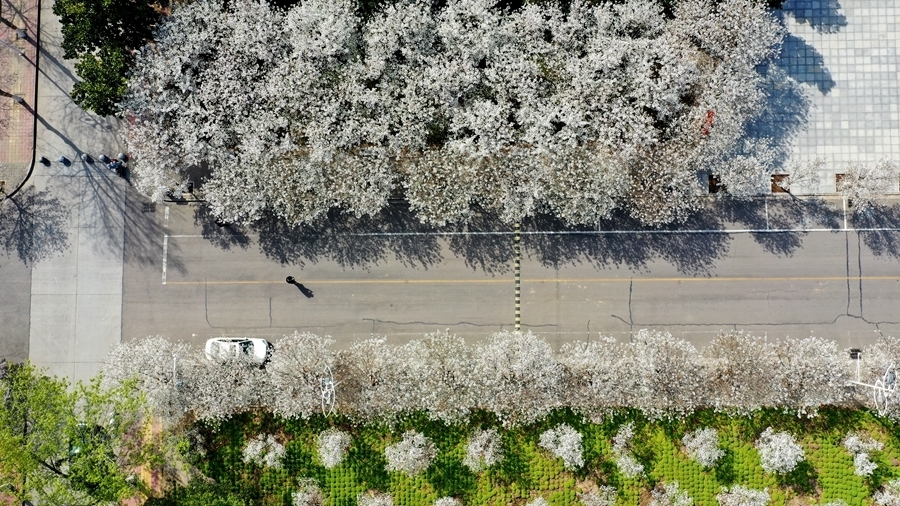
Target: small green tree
pixel 69 445
pixel 103 82
pixel 103 35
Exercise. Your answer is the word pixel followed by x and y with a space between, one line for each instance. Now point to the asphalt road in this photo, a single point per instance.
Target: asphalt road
pixel 776 267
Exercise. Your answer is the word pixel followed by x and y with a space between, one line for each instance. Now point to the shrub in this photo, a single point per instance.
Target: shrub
pixel 778 451
pixel 264 451
pixel 670 494
pixel 742 496
pixel 628 465
pixel 604 496
pixel 308 495
pixel 889 495
pixel 565 443
pixel 484 450
pixel 412 455
pixel 703 446
pixel 374 499
pixel 332 446
pixel 859 446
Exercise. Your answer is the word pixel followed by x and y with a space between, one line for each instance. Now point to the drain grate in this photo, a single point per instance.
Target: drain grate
pixel 149 207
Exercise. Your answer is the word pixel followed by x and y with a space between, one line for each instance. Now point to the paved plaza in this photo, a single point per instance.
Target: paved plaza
pixel 88 264
pixel 844 57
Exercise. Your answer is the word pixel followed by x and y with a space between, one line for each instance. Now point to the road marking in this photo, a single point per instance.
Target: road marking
pixel 607 232
pixel 165 257
pixel 538 280
pixel 165 245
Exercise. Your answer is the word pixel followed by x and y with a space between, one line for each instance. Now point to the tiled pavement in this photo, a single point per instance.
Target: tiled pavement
pixel 17 75
pixel 847 105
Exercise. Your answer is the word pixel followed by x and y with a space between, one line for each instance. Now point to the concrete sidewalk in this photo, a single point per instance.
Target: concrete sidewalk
pixel 76 295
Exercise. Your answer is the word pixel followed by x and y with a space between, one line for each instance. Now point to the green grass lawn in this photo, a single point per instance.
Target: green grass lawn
pixel 528 471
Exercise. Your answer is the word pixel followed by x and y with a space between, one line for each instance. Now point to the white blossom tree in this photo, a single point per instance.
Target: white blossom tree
pixel 778 451
pixel 889 495
pixel 740 372
pixel 374 498
pixel 810 372
pixel 597 375
pixel 670 494
pixel 309 494
pixel 369 373
pixel 564 442
pixel 860 446
pixel 178 380
pixel 517 111
pixel 483 450
pixel 702 445
pixel 877 360
pixel 865 184
pixel 447 501
pixel 332 445
pixel 297 370
pixel 738 495
pixel 264 450
pixel 621 447
pixel 669 372
pixel 604 495
pixel 804 174
pixel 412 455
pixel 439 365
pixel 519 376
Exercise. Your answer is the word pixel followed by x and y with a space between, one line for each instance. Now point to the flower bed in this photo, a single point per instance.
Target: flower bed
pixel 528 471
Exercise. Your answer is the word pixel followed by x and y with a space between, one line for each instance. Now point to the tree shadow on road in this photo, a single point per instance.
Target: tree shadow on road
pixel 350 241
pixel 486 243
pixel 221 235
pixel 33 225
pixel 883 243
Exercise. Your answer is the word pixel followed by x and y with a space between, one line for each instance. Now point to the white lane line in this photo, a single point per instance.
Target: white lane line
pixel 165 245
pixel 165 256
pixel 608 232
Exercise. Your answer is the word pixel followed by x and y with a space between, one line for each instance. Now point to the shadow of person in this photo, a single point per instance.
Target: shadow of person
pixel 305 291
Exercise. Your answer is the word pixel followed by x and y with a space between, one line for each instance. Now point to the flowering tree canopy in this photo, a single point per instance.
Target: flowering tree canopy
pixel 703 446
pixel 412 455
pixel 575 111
pixel 778 451
pixel 516 376
pixel 564 442
pixel 484 449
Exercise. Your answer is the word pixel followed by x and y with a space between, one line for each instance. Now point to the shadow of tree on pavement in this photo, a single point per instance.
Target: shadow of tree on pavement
pixel 33 225
pixel 884 243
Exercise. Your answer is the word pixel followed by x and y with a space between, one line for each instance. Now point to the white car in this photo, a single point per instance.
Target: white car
pixel 221 349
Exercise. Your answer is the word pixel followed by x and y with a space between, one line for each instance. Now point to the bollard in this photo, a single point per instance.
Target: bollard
pixel 63 160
